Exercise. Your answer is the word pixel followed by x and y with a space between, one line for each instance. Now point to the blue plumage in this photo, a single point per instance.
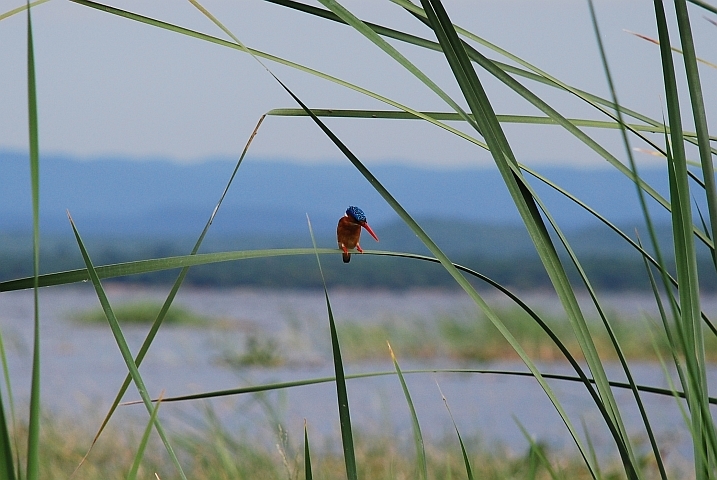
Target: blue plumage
pixel 356 213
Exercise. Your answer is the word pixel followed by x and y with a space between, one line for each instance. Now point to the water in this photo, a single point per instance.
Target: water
pixel 82 368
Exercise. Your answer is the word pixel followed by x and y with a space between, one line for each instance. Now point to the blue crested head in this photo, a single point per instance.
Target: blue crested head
pixel 356 213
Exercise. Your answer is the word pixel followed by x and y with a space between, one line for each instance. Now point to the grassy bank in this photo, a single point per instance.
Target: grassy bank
pixel 214 453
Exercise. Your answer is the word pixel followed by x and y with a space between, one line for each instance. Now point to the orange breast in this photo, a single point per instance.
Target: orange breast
pixel 348 232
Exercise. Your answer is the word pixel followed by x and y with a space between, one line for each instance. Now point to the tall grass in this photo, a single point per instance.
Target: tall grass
pixel 683 322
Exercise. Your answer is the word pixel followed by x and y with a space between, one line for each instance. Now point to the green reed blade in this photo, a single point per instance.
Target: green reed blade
pixel 466 460
pixel 705 5
pixel 646 215
pixel 21 9
pixel 455 117
pixel 307 455
pixel 417 436
pixel 525 203
pixel 591 446
pixel 149 338
pixel 33 442
pixel 7 464
pixel 698 112
pixel 273 58
pixel 675 348
pixel 347 438
pixel 122 345
pixel 6 456
pixel 704 436
pixel 153 265
pixel 666 392
pixel 132 475
pixel 374 37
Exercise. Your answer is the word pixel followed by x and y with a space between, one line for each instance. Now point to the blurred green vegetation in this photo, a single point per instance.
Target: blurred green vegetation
pixel 143 313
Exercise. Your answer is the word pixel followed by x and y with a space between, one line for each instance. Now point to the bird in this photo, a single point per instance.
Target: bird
pixel 348 231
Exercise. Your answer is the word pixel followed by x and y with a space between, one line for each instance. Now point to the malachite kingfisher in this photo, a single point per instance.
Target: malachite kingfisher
pixel 348 232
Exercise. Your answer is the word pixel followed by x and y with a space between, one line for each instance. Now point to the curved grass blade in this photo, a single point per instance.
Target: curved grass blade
pixel 374 37
pixel 153 265
pixel 417 436
pixel 646 214
pixel 698 111
pixel 525 203
pixel 347 438
pixel 273 58
pixel 123 347
pixel 7 464
pixel 705 5
pixel 307 455
pixel 668 392
pixel 466 460
pixel 455 117
pixel 33 442
pixel 704 435
pixel 591 446
pixel 132 475
pixel 21 9
pixel 149 338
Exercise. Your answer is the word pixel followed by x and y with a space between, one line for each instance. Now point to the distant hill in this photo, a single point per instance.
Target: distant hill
pixel 129 210
pixel 157 197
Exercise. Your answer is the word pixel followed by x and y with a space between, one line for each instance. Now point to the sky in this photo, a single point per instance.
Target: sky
pixel 109 86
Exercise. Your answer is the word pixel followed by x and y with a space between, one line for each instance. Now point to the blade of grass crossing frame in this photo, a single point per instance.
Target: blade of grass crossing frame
pixel 466 460
pixel 149 338
pixel 132 475
pixel 259 54
pixel 646 214
pixel 671 392
pixel 7 464
pixel 686 266
pixel 33 442
pixel 507 165
pixel 698 112
pixel 591 446
pixel 21 9
pixel 347 438
pixel 417 436
pixel 307 455
pixel 122 345
pixel 369 33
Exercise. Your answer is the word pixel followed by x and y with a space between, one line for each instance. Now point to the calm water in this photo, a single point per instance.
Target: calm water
pixel 82 367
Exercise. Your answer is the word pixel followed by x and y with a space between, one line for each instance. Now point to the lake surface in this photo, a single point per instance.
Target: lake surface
pixel 82 368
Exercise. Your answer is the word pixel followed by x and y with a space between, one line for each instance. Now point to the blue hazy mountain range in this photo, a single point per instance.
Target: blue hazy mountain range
pixel 271 198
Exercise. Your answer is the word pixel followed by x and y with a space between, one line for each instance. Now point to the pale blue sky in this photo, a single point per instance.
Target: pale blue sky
pixel 111 86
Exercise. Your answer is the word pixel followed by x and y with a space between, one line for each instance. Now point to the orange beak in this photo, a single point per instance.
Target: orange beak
pixel 368 229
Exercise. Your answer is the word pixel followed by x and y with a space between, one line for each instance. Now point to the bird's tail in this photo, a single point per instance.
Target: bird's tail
pixel 347 257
